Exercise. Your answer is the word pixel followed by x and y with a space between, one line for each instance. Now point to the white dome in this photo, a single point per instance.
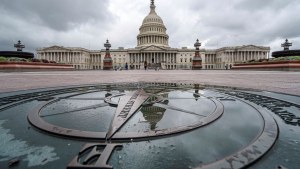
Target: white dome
pixel 153 30
pixel 153 17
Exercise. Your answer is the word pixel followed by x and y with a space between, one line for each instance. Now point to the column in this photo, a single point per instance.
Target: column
pixel 61 58
pixel 260 55
pixel 130 58
pixel 133 58
pixel 139 58
pixel 173 58
pixel 73 57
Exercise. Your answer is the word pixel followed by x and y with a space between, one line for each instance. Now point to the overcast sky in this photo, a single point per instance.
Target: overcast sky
pixel 88 23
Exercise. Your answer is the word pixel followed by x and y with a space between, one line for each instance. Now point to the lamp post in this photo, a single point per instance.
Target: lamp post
pixel 286 45
pixel 197 61
pixel 107 62
pixel 19 46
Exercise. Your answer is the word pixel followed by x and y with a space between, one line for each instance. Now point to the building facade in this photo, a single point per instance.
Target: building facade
pixel 153 48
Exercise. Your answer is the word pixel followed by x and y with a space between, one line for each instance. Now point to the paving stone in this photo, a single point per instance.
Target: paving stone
pixel 276 81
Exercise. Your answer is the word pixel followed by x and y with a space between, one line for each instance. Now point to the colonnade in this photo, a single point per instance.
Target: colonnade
pixel 137 59
pixel 95 58
pixel 242 56
pixel 95 61
pixel 80 60
pixel 62 57
pixel 219 61
pixel 153 39
pixel 210 58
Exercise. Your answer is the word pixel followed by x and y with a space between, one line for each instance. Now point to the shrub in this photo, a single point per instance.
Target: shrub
pixel 45 61
pixel 15 59
pixel 287 58
pixel 2 59
pixel 35 60
pixel 294 58
pixel 263 60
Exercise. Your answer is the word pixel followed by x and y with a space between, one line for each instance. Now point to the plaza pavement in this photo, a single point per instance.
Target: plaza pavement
pixel 276 81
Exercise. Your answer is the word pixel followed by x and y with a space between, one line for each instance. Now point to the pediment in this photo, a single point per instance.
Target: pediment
pixel 153 48
pixel 251 47
pixel 56 48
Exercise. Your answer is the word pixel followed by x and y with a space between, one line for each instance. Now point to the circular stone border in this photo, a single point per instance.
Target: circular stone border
pixel 35 120
pixel 240 159
pixel 256 149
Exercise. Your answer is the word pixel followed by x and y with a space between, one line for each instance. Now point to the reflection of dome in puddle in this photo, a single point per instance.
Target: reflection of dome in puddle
pixel 153 115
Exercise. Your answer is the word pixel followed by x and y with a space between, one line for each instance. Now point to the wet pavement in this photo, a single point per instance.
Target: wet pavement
pixel 275 81
pixel 159 125
pixel 192 124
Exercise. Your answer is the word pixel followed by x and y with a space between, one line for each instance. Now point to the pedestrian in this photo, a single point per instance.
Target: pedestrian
pixel 126 66
pixel 145 65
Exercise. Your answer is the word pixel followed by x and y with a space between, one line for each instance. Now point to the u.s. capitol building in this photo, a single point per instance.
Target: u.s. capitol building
pixel 153 47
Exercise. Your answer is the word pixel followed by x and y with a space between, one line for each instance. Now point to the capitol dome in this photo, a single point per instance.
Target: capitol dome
pixel 153 30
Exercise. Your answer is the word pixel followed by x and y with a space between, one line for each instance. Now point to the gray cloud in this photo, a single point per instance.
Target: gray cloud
pixel 56 14
pixel 82 23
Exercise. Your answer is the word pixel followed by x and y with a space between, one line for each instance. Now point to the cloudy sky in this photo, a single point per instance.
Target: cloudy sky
pixel 88 23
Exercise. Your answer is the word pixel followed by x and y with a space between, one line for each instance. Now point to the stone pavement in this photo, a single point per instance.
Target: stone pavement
pixel 283 82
